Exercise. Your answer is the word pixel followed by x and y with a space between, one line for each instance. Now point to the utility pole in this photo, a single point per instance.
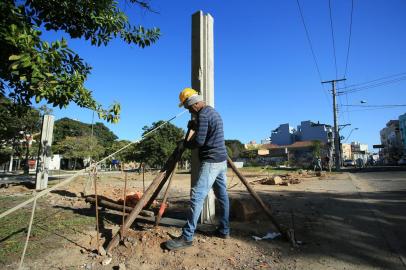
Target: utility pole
pixel 336 132
pixel 203 82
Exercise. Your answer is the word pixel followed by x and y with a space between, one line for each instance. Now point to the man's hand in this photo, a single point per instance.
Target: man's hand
pixel 192 124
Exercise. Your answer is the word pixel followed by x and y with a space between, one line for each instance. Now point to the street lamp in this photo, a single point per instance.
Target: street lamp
pixel 340 127
pixel 350 134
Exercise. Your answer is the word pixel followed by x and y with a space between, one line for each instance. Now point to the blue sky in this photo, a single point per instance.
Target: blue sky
pixel 264 71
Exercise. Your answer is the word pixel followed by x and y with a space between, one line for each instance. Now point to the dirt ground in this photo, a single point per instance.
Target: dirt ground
pixel 70 241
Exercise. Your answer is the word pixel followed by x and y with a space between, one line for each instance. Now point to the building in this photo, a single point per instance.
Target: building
pixel 392 147
pixel 283 135
pixel 359 151
pixel 346 151
pixel 402 130
pixel 306 131
pixel 251 145
pixel 266 141
pixel 310 131
pixel 299 154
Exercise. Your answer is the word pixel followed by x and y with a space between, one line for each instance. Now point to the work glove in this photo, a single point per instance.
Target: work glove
pixel 192 124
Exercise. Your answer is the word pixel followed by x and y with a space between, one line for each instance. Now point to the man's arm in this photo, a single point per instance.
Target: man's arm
pixel 201 132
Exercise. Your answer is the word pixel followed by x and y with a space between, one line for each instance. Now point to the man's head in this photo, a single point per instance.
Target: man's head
pixel 191 100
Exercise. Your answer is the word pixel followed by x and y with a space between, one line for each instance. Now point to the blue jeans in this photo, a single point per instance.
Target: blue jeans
pixel 210 175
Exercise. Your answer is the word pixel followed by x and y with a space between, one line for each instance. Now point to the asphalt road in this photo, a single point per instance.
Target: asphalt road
pixel 385 195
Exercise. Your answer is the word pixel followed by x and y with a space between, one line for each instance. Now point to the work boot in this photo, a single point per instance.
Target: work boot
pixel 217 233
pixel 178 243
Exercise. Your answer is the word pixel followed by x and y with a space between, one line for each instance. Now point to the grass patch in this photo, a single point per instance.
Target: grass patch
pixel 50 227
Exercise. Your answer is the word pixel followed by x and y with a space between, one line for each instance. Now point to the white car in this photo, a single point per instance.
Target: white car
pixel 349 162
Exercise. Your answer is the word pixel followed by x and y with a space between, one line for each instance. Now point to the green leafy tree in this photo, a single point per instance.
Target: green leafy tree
pixel 125 155
pixel 235 148
pixel 79 148
pixel 316 148
pixel 156 148
pixel 250 154
pixel 33 69
pixel 67 127
pixel 17 124
pixel 229 151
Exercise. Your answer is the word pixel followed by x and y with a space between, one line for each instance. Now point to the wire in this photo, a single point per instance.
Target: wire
pixel 384 83
pixel 309 40
pixel 29 231
pixel 311 49
pixel 375 80
pixel 349 39
pixel 332 36
pixel 373 109
pixel 377 106
pixel 348 113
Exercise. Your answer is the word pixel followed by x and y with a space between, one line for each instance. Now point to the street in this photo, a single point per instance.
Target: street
pixel 351 221
pixel 385 194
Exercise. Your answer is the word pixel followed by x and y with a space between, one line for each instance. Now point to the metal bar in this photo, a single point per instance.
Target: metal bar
pixel 124 199
pixel 163 205
pixel 96 208
pixel 258 199
pixel 115 206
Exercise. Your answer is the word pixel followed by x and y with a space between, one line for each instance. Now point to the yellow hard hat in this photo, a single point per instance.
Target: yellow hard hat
pixel 185 94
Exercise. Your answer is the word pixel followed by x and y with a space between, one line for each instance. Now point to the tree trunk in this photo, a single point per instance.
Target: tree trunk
pixel 27 166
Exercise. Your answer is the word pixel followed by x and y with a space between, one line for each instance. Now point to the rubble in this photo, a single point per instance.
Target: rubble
pixel 284 180
pixel 107 261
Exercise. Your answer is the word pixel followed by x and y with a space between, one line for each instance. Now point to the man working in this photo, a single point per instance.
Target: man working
pixel 209 139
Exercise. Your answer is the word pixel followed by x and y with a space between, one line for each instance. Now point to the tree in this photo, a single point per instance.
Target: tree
pixel 67 127
pixel 79 148
pixel 33 69
pixel 316 149
pixel 156 148
pixel 124 155
pixel 234 148
pixel 18 125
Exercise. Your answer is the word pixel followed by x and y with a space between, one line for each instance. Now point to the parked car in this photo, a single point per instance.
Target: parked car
pixel 402 161
pixel 349 162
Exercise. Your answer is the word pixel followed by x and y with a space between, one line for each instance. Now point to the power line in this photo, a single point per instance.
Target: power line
pixel 349 39
pixel 309 40
pixel 373 109
pixel 332 36
pixel 311 49
pixel 375 80
pixel 377 106
pixel 384 83
pixel 348 113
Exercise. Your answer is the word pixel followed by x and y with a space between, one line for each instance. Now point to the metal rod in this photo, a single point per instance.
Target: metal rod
pixel 124 201
pixel 97 208
pixel 258 199
pixel 115 206
pixel 143 177
pixel 163 205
